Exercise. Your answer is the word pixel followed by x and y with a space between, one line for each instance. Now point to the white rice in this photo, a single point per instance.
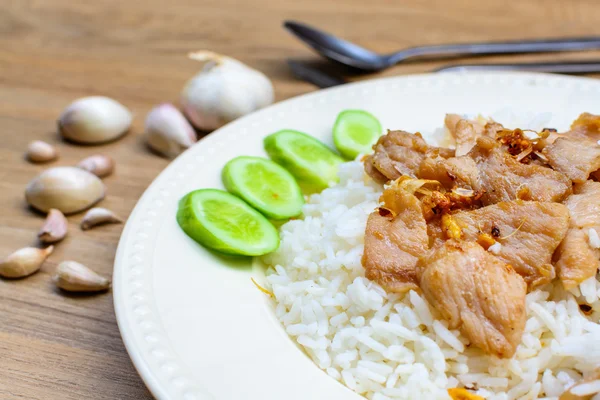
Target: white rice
pixel 593 238
pixel 384 346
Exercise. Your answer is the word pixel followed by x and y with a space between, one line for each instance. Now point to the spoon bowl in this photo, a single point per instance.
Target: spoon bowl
pixel 337 49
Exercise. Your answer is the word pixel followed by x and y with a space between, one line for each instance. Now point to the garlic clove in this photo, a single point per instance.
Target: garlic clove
pixel 99 216
pixel 167 131
pixel 225 89
pixel 95 119
pixel 24 262
pixel 75 277
pixel 41 152
pixel 99 165
pixel 55 227
pixel 67 189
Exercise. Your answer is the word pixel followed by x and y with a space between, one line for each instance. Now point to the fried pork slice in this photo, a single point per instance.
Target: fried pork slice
pixel 577 158
pixel 503 178
pixel 395 238
pixel 400 153
pixel 528 233
pixel 577 256
pixel 478 293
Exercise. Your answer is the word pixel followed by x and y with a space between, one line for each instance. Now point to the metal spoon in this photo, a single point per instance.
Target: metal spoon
pixel 358 57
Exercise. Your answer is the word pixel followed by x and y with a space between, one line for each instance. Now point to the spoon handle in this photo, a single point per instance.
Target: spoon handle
pixel 509 47
pixel 568 67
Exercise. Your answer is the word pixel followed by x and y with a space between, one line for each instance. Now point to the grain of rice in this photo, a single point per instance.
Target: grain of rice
pixel 458 369
pixel 495 248
pixel 380 368
pixel 588 289
pixel 493 382
pixel 334 373
pixel 338 319
pixel 593 238
pixel 371 343
pixel 547 318
pixel 370 374
pixel 397 330
pixel 587 388
pixel 447 336
pixel 421 308
pixel 348 378
pixel 307 342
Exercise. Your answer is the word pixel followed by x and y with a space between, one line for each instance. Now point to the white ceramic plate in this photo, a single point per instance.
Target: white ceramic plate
pixel 193 322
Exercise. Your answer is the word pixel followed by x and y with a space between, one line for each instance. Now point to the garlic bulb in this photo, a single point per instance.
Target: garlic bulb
pixel 68 189
pixel 40 152
pixel 54 228
pixel 167 131
pixel 95 119
pixel 99 216
pixel 24 262
pixel 75 277
pixel 99 165
pixel 225 89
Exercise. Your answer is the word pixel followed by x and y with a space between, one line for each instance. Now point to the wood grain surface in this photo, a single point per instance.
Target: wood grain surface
pixel 54 346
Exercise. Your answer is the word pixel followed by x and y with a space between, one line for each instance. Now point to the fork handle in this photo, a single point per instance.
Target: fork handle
pixel 508 47
pixel 566 67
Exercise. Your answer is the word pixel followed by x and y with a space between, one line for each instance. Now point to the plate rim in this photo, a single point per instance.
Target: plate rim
pixel 123 317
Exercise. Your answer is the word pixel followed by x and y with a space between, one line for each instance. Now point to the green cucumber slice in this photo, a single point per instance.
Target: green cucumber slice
pixel 223 222
pixel 265 185
pixel 355 132
pixel 312 163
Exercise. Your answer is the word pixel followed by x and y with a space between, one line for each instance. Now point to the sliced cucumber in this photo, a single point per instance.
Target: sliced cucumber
pixel 312 163
pixel 223 222
pixel 265 185
pixel 355 132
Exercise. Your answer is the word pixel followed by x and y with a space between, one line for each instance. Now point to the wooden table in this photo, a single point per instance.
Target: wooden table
pixel 54 346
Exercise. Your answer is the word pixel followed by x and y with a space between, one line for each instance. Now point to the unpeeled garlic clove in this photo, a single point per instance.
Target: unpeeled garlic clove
pixel 55 227
pixel 99 165
pixel 24 262
pixel 99 216
pixel 167 131
pixel 95 119
pixel 67 189
pixel 225 89
pixel 75 277
pixel 40 152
